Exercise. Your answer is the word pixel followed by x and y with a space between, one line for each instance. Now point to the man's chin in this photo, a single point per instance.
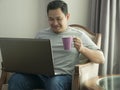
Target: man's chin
pixel 56 30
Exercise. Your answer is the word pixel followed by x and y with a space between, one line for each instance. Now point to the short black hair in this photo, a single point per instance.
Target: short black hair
pixel 58 4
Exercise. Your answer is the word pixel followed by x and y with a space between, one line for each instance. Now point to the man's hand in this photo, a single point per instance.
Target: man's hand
pixel 78 44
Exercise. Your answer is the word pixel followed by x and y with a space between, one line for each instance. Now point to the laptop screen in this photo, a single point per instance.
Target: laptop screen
pixel 27 55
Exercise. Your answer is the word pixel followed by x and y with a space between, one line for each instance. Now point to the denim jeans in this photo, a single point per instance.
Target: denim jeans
pixel 19 81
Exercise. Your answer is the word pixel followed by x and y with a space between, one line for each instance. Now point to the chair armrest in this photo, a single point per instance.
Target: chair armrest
pixel 82 73
pixel 3 78
pixel 88 71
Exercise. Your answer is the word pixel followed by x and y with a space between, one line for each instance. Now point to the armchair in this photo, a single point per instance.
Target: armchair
pixel 88 70
pixel 82 72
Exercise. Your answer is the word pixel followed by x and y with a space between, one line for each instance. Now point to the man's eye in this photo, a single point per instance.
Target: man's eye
pixel 59 19
pixel 50 19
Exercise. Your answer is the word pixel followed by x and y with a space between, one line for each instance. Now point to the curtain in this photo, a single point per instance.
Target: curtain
pixel 105 18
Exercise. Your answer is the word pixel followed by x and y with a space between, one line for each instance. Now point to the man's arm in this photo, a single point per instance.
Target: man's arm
pixel 93 55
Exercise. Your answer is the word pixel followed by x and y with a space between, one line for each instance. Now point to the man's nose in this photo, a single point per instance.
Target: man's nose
pixel 55 22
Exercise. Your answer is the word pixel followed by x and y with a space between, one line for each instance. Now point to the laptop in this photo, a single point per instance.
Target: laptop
pixel 26 55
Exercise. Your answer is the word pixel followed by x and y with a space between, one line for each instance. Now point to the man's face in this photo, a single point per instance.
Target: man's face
pixel 57 20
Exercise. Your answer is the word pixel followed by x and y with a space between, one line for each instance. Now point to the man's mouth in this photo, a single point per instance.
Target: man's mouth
pixel 56 27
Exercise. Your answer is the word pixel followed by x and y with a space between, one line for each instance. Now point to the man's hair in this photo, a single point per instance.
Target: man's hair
pixel 58 4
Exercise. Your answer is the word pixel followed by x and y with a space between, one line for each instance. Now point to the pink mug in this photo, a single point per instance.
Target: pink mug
pixel 67 42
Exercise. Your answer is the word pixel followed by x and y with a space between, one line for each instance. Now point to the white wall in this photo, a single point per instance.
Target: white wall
pixel 23 18
pixel 79 11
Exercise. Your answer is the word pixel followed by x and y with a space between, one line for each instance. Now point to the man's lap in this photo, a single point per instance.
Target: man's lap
pixel 43 81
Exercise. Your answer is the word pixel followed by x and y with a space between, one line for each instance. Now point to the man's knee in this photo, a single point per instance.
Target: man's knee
pixel 16 78
pixel 59 82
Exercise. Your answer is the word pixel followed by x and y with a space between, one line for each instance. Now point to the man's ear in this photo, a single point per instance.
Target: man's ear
pixel 68 16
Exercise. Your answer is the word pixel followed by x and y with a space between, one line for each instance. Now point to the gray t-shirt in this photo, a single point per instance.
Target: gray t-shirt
pixel 64 61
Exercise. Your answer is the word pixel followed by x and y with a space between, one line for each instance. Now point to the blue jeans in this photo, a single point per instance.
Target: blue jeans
pixel 19 81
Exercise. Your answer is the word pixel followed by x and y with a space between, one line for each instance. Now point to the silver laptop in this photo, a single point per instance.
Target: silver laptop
pixel 27 55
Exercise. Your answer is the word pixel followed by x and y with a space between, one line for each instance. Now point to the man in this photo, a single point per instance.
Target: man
pixel 82 50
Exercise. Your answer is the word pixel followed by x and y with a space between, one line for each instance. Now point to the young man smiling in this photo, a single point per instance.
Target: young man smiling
pixel 64 61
